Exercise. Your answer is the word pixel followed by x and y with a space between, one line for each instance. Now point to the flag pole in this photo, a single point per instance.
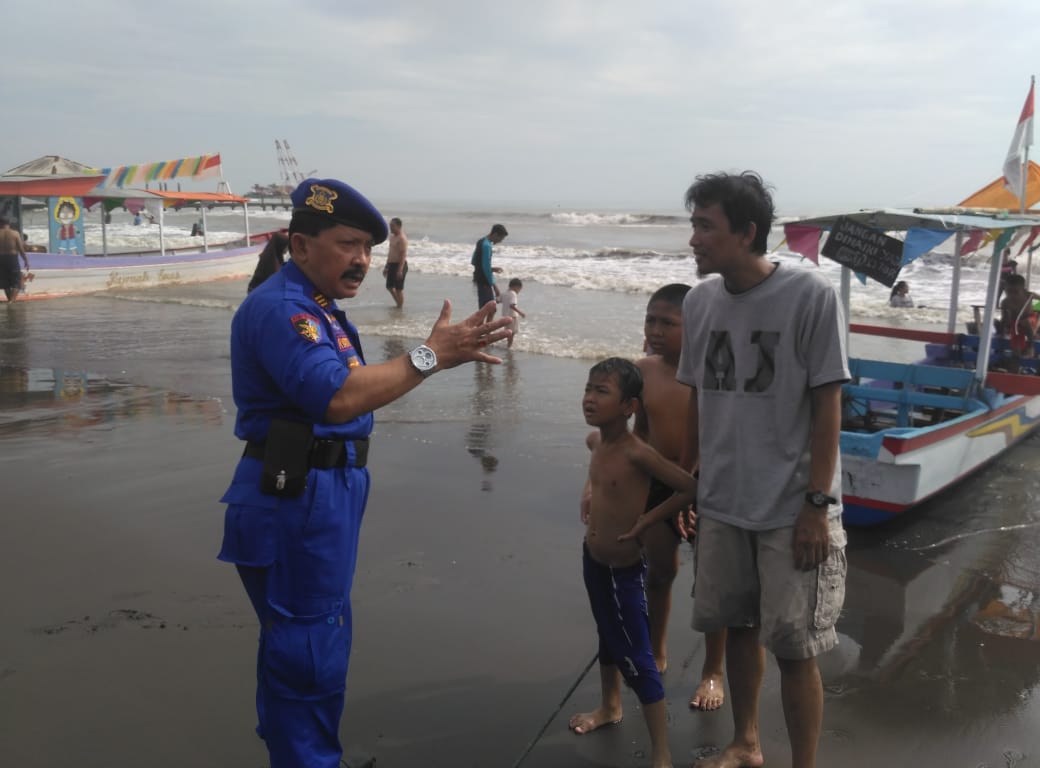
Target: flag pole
pixel 1025 164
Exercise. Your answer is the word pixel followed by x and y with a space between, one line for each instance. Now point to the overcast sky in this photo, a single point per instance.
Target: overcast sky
pixel 551 102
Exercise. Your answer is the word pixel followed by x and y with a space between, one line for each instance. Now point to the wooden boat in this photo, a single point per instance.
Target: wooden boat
pixel 53 275
pixel 58 274
pixel 911 430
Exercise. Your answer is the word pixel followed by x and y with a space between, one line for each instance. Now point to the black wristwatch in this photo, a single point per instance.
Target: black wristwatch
pixel 820 499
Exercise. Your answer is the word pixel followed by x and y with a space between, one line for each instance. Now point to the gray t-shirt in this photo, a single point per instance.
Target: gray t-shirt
pixel 753 358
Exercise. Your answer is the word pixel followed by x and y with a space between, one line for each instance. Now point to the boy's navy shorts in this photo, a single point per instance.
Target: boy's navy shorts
pixel 618 600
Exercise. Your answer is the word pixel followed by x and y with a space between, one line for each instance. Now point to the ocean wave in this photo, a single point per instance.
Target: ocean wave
pixel 590 219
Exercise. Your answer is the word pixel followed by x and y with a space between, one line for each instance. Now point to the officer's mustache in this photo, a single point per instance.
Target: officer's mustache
pixel 357 274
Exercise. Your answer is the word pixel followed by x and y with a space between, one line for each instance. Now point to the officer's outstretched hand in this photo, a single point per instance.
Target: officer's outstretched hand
pixel 465 342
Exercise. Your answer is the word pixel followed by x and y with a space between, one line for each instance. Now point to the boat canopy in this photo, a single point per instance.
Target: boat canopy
pixel 48 186
pixel 925 228
pixel 136 199
pixel 944 220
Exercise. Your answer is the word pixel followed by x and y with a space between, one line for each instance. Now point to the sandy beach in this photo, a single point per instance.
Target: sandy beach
pixel 126 643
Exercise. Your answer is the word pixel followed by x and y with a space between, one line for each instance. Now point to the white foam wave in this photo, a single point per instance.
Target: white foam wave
pixel 591 219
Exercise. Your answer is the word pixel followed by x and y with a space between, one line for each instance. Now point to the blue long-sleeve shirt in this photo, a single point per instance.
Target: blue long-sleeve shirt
pixel 482 274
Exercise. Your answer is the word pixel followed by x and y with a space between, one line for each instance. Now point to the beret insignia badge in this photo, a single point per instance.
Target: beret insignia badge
pixel 321 198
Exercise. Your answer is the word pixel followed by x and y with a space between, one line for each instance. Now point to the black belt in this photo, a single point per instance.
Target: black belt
pixel 324 454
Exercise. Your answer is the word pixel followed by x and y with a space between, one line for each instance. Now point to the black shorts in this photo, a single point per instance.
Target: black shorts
pixel 10 273
pixel 659 493
pixel 395 275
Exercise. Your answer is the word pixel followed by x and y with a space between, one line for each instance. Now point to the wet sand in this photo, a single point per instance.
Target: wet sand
pixel 126 643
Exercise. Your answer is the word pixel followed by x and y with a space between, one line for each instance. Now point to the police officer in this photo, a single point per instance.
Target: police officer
pixel 305 399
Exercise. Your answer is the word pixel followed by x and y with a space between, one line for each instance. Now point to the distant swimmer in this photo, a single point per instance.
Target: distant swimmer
pixel 396 261
pixel 900 296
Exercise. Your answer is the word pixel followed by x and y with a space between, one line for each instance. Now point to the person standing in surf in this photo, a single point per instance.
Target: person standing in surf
pixel 483 272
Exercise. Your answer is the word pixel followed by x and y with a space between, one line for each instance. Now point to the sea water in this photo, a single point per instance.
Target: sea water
pixel 939 633
pixel 587 272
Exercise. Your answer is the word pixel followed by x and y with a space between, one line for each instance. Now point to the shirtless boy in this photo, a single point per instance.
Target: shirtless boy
pixel 396 261
pixel 11 248
pixel 1017 320
pixel 620 471
pixel 662 423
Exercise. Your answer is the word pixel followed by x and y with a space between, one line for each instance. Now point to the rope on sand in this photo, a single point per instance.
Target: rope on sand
pixel 556 712
pixel 971 534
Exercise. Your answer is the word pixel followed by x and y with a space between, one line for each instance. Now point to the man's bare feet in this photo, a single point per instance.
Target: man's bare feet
pixel 587 722
pixel 733 757
pixel 709 694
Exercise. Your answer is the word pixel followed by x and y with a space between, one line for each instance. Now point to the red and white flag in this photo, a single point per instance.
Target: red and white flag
pixel 1017 152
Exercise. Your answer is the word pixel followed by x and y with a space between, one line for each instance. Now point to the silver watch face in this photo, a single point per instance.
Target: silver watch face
pixel 423 358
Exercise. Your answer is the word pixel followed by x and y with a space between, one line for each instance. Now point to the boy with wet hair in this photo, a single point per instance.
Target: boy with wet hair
pixel 620 471
pixel 661 422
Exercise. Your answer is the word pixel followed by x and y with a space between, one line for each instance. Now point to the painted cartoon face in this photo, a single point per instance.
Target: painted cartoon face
pixel 66 211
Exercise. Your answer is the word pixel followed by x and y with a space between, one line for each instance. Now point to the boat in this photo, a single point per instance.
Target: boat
pixel 54 275
pixel 912 430
pixel 72 272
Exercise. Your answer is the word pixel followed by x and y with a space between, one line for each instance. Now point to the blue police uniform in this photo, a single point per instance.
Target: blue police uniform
pixel 292 349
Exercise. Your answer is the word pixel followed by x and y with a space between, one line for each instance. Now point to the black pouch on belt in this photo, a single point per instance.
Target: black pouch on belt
pixel 286 458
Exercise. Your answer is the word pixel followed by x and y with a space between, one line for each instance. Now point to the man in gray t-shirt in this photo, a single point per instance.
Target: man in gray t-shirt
pixel 763 353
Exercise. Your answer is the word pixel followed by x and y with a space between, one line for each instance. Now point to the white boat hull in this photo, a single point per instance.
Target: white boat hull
pixel 910 465
pixel 57 275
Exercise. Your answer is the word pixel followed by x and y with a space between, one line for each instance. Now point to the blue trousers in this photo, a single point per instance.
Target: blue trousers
pixel 296 559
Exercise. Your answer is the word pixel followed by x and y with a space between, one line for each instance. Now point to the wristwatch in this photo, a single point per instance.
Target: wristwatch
pixel 424 359
pixel 820 499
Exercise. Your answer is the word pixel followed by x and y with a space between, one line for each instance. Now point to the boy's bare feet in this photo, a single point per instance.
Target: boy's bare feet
pixel 587 722
pixel 733 757
pixel 709 694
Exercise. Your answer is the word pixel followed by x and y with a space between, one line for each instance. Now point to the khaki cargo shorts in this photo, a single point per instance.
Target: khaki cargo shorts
pixel 748 579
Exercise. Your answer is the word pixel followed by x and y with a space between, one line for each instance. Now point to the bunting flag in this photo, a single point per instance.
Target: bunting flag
pixel 1016 155
pixel 201 167
pixel 804 240
pixel 1003 239
pixel 1032 236
pixel 919 241
pixel 973 241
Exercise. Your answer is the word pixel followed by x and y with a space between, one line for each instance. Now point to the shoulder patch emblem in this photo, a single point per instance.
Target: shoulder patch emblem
pixel 307 326
pixel 321 198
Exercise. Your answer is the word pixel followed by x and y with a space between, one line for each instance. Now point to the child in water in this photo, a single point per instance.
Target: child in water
pixel 900 296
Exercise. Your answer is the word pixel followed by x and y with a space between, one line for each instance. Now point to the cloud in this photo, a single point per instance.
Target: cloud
pixel 580 100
